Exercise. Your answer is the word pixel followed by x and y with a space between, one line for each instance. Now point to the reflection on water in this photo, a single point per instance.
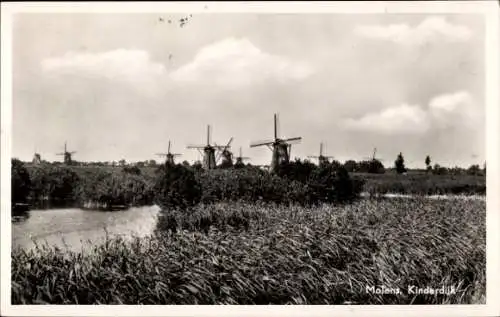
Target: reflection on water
pixel 74 228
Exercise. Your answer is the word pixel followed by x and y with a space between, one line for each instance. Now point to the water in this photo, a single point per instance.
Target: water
pixel 75 228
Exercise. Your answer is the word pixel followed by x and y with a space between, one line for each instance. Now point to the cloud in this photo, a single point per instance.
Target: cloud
pixel 120 65
pixel 401 119
pixel 430 29
pixel 455 108
pixel 444 111
pixel 238 62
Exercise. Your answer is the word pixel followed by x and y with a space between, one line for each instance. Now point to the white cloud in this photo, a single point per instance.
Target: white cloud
pixel 238 62
pixel 450 109
pixel 430 29
pixel 120 64
pixel 444 111
pixel 400 119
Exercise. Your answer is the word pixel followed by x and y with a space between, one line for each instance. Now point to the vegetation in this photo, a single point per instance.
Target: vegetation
pixel 101 187
pixel 400 164
pixel 20 182
pixel 422 183
pixel 236 253
pixel 240 235
pixel 428 163
pixel 176 187
pixel 372 166
pixel 302 182
pixel 295 183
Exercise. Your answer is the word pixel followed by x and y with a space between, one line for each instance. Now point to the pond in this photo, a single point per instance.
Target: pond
pixel 74 228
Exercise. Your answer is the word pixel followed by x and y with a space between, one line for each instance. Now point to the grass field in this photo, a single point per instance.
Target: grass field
pixel 423 184
pixel 234 253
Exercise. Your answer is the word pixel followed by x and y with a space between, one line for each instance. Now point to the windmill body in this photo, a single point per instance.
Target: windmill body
pixel 37 159
pixel 209 161
pixel 227 158
pixel 209 157
pixel 67 155
pixel 241 158
pixel 169 156
pixel 323 160
pixel 225 154
pixel 281 148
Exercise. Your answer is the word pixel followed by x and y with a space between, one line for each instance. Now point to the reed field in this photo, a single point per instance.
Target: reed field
pixel 303 235
pixel 239 253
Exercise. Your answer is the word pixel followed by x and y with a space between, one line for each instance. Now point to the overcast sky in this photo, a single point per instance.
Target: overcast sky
pixel 120 86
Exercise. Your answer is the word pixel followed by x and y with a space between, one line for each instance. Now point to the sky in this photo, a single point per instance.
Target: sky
pixel 120 86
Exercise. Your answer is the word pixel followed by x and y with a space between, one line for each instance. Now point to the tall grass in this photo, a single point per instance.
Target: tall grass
pixel 236 253
pixel 423 184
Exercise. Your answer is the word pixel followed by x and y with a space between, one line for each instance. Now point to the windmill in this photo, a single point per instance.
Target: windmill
pixel 281 148
pixel 169 156
pixel 240 158
pixel 373 156
pixel 227 156
pixel 374 164
pixel 67 155
pixel 322 159
pixel 37 159
pixel 208 152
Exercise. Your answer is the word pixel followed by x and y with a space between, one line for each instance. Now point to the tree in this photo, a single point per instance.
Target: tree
pixel 122 162
pixel 139 164
pixel 439 170
pixel 351 166
pixel 376 167
pixel 20 182
pixel 399 163
pixel 473 170
pixel 197 165
pixel 176 187
pixel 152 163
pixel 135 170
pixel 428 162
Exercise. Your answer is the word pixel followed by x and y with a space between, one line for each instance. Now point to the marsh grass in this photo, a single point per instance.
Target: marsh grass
pixel 423 184
pixel 236 253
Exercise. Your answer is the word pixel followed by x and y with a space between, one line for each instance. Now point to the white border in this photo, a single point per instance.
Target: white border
pixel 487 8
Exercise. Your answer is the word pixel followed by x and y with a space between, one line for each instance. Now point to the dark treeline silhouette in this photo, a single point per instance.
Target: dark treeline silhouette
pixel 95 185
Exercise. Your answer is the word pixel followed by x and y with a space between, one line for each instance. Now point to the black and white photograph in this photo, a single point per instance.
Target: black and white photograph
pixel 207 155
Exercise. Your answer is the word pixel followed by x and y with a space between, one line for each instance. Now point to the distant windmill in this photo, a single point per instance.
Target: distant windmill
pixel 37 159
pixel 67 155
pixel 240 158
pixel 281 148
pixel 322 159
pixel 373 156
pixel 208 152
pixel 169 156
pixel 225 154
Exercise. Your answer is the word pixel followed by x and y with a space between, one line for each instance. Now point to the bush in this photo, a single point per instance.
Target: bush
pixel 107 188
pixel 299 184
pixel 62 183
pixel 373 166
pixel 176 187
pixel 20 182
pixel 333 184
pixel 134 170
pixel 297 171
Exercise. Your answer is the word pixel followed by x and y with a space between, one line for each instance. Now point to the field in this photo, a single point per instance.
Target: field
pixel 264 253
pixel 421 183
